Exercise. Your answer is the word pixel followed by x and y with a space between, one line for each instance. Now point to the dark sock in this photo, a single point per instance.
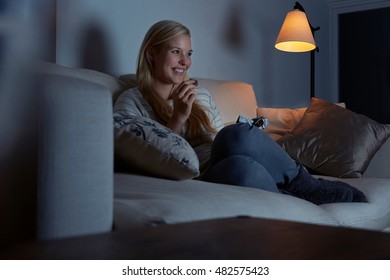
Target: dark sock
pixel 321 191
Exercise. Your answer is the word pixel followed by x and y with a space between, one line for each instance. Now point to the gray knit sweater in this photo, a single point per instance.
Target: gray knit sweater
pixel 131 103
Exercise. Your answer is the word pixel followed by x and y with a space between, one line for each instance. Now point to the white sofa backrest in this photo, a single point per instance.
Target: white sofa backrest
pixel 232 98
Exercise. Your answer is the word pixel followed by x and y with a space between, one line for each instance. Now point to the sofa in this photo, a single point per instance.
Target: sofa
pixel 80 192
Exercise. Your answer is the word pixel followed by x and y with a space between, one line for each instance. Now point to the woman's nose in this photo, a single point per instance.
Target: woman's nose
pixel 184 60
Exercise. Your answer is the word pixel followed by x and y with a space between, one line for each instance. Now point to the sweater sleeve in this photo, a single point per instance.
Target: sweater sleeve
pixel 202 146
pixel 206 100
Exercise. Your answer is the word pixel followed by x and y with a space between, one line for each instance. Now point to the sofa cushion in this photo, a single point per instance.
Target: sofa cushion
pixel 143 145
pixel 334 141
pixel 374 215
pixel 141 200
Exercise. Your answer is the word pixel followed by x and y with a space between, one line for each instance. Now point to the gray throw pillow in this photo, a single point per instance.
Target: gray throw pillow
pixel 334 141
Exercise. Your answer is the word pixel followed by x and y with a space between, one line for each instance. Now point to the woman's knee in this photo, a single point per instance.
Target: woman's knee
pixel 239 139
pixel 241 171
pixel 240 132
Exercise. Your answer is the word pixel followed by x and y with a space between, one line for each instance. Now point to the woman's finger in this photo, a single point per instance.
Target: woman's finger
pixel 184 87
pixel 188 94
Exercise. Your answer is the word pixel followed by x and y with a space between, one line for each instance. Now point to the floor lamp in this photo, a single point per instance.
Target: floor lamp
pixel 297 35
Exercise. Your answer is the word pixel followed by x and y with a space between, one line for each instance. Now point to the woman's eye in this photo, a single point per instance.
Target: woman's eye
pixel 179 52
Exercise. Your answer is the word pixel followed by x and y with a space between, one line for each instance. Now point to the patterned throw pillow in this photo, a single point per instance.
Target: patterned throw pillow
pixel 142 145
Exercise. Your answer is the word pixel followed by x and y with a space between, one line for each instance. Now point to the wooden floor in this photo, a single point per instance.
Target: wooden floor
pixel 231 238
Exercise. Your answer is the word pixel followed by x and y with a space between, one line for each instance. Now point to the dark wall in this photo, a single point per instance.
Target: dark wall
pixel 364 59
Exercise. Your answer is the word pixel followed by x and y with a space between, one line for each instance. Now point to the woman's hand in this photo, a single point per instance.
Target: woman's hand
pixel 183 97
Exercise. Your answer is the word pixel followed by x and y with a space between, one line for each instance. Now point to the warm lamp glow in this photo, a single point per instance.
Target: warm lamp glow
pixel 295 34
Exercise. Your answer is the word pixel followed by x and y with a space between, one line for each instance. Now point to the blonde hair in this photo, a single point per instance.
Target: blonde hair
pixel 157 35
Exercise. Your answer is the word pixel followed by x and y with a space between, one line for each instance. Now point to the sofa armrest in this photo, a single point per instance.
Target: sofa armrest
pixel 379 165
pixel 75 159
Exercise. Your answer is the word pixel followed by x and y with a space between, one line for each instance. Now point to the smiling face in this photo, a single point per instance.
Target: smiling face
pixel 172 60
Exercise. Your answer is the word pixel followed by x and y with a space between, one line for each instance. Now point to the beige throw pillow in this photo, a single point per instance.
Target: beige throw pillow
pixel 281 120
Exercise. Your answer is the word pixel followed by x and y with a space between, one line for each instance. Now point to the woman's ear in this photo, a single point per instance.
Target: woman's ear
pixel 149 55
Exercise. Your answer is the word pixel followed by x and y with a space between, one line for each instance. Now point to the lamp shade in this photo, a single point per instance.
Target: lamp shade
pixel 295 34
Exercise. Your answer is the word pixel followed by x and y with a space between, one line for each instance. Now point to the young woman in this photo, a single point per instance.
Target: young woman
pixel 239 154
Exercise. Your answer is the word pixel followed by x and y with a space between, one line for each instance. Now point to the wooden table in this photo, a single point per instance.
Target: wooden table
pixel 230 238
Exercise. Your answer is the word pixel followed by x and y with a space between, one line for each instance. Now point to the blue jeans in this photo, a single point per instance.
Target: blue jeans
pixel 244 155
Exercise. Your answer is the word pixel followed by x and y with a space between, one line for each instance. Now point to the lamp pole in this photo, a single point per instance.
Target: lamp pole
pixel 312 53
pixel 312 72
